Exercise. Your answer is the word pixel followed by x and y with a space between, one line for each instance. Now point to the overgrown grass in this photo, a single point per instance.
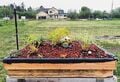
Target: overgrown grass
pixel 42 28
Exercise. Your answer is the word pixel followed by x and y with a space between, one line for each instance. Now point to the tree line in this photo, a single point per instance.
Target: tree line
pixel 87 13
pixel 7 11
pixel 84 13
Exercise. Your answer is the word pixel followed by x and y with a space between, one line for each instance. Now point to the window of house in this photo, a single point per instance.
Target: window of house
pixel 65 15
pixel 50 16
pixel 50 11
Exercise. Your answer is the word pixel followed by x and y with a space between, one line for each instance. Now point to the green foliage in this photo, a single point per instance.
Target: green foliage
pixel 105 15
pixel 30 38
pixel 116 13
pixel 118 69
pixel 57 34
pixel 5 11
pixel 33 40
pixel 2 73
pixel 72 15
pixel 87 39
pixel 1 24
pixel 97 14
pixel 85 12
pixel 106 43
pixel 28 14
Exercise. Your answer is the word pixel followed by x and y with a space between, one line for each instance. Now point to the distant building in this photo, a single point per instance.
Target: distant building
pixel 6 18
pixel 23 17
pixel 98 19
pixel 50 13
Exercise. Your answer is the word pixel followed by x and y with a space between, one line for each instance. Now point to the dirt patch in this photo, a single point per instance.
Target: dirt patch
pixel 108 37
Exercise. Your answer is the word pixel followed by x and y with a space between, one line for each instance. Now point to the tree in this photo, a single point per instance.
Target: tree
pixel 85 12
pixel 116 13
pixel 40 9
pixel 97 14
pixel 72 14
pixel 11 6
pixel 18 9
pixel 28 14
pixel 106 15
pixel 5 11
pixel 30 9
pixel 22 7
pixel 21 11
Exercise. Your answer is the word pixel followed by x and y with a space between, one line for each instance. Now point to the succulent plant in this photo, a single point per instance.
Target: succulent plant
pixel 58 34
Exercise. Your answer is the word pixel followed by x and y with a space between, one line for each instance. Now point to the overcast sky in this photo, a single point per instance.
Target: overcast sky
pixel 66 4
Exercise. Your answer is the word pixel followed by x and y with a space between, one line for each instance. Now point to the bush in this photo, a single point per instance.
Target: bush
pixel 30 38
pixel 72 15
pixel 57 34
pixel 84 13
pixel 1 24
pixel 28 14
pixel 118 69
pixel 87 39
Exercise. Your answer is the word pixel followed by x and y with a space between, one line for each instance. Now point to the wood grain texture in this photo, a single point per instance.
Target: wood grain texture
pixel 101 69
pixel 71 66
pixel 58 73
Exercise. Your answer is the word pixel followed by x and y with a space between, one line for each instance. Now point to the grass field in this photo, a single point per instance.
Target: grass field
pixel 79 29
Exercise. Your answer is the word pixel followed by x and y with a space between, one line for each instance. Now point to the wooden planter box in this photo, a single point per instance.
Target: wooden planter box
pixel 75 68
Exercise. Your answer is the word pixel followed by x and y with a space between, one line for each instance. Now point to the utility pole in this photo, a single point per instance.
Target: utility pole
pixel 15 16
pixel 112 8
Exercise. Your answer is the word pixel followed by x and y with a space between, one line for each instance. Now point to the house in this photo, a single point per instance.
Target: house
pixel 50 13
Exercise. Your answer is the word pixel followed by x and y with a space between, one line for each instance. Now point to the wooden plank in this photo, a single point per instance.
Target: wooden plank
pixel 69 66
pixel 58 73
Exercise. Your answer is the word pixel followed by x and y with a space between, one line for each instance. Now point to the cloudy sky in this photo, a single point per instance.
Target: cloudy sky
pixel 66 4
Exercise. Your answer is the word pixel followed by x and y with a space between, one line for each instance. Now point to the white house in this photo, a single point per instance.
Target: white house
pixel 50 13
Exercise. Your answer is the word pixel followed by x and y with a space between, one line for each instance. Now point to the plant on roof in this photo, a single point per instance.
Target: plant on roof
pixel 56 35
pixel 30 38
pixel 87 39
pixel 33 42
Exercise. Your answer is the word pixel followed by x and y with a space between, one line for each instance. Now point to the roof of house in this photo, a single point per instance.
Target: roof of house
pixel 42 14
pixel 60 11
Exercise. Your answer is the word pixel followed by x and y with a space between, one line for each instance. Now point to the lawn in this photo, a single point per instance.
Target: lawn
pixel 79 30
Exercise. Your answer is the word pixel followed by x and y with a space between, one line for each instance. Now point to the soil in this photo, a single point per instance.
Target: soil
pixel 75 50
pixel 108 37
